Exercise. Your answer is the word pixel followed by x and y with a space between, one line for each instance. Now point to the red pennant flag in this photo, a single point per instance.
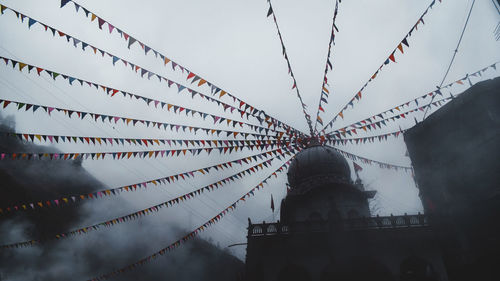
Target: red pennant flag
pixel 391 57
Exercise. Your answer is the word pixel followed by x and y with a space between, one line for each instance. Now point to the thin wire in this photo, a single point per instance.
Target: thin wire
pixel 496 6
pixel 454 54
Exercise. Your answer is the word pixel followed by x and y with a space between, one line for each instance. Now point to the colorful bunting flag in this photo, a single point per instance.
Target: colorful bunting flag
pixel 129 40
pixel 276 153
pixel 95 140
pixel 416 102
pixel 247 110
pixel 373 123
pixel 328 66
pixel 391 57
pixel 290 71
pixel 364 160
pixel 111 119
pixel 338 139
pixel 136 214
pixel 195 232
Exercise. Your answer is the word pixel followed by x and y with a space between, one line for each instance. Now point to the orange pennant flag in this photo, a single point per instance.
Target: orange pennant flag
pixel 400 47
pixel 21 66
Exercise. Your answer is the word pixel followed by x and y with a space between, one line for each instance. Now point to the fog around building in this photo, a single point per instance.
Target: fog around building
pixel 234 45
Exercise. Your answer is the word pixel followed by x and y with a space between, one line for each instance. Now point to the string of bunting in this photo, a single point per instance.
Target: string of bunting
pixel 177 109
pixel 247 109
pixel 94 140
pixel 382 165
pixel 419 99
pixel 383 122
pixel 197 231
pixel 290 71
pixel 118 155
pixel 215 90
pixel 363 140
pixel 392 57
pixel 146 211
pixel 125 120
pixel 75 198
pixel 244 108
pixel 325 92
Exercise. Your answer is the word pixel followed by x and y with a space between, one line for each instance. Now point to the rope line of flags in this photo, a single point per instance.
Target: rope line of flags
pixel 113 119
pixel 195 232
pixel 149 210
pixel 142 72
pixel 391 58
pixel 325 91
pixel 129 40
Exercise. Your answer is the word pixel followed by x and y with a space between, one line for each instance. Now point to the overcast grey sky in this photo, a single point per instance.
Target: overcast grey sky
pixel 234 45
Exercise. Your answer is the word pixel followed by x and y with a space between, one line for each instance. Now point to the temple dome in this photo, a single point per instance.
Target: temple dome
pixel 318 160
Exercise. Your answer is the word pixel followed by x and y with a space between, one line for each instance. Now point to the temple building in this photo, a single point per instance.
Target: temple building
pixel 326 231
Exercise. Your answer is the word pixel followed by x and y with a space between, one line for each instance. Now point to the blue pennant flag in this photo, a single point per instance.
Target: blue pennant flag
pixel 64 2
pixel 31 22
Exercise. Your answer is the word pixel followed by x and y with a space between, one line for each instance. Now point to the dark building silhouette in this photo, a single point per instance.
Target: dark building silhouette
pixel 326 231
pixel 455 153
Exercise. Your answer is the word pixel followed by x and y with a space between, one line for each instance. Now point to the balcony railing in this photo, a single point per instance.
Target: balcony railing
pixel 387 222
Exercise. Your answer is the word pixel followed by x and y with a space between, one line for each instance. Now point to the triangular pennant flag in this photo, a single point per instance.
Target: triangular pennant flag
pixel 391 57
pixel 270 12
pixel 31 22
pixel 64 2
pixel 131 41
pixel 100 22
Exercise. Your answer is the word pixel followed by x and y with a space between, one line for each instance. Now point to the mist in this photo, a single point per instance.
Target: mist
pixel 231 43
pixel 84 256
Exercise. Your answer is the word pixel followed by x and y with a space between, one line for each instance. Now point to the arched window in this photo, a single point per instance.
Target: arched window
pixel 272 228
pixel 293 272
pixel 257 230
pixel 417 269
